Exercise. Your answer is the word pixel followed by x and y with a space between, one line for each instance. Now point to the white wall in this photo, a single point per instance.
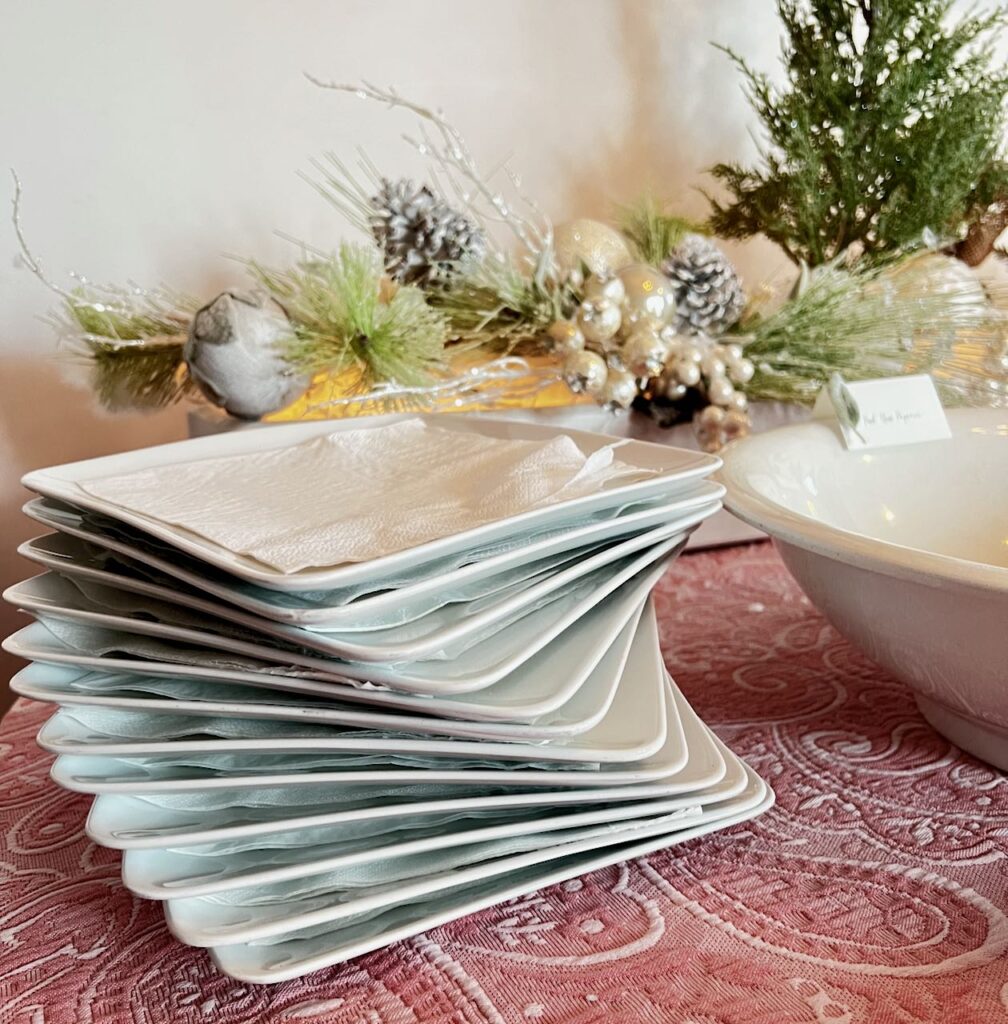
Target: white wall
pixel 152 138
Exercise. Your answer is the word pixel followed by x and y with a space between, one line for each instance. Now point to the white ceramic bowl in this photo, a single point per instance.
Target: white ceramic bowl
pixel 904 550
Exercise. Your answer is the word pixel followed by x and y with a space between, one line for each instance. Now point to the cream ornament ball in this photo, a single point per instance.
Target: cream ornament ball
pixel 619 391
pixel 715 427
pixel 712 364
pixel 720 390
pixel 650 296
pixel 610 289
pixel 235 355
pixel 599 320
pixel 643 352
pixel 687 372
pixel 585 373
pixel 600 248
pixel 566 337
pixel 670 387
pixel 741 371
pixel 738 402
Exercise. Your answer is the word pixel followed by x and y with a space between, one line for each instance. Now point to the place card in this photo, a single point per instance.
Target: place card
pixel 888 411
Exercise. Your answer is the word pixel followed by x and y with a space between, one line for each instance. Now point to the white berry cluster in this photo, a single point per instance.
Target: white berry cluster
pixel 622 339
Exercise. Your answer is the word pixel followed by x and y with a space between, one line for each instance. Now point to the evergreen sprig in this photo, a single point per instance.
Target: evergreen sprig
pixel 500 304
pixel 133 341
pixel 890 122
pixel 138 378
pixel 346 316
pixel 653 231
pixel 908 313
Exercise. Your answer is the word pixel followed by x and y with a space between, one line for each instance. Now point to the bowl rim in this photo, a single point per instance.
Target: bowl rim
pixel 857 549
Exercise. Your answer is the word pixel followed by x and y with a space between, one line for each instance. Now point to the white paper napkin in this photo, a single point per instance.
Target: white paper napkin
pixel 360 494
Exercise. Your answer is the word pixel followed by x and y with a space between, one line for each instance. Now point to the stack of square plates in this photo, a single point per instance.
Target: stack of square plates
pixel 306 755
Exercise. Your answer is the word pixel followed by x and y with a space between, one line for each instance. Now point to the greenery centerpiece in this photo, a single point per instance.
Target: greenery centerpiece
pixel 880 174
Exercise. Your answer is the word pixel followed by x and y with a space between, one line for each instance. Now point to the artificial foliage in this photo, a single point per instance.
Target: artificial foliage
pixel 874 303
pixel 132 342
pixel 347 315
pixel 917 313
pixel 499 303
pixel 653 230
pixel 137 378
pixel 709 293
pixel 889 122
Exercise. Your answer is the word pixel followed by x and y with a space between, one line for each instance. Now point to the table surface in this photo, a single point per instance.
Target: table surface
pixel 876 890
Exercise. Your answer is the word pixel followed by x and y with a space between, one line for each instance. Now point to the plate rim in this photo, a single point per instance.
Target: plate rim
pixel 60 482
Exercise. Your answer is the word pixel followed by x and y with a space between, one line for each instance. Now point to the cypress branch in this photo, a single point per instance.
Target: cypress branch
pixel 890 122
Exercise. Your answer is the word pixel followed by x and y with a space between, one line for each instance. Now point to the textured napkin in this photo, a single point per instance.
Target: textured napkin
pixel 360 494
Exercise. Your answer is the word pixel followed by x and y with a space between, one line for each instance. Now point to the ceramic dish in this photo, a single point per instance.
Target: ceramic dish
pixel 440 634
pixel 187 872
pixel 203 772
pixel 263 818
pixel 474 668
pixel 278 908
pixel 633 729
pixel 85 563
pixel 70 687
pixel 662 464
pixel 541 686
pixel 289 956
pixel 905 550
pixel 207 867
pixel 353 608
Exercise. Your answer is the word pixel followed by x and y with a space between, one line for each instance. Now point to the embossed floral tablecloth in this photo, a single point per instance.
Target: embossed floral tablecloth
pixel 876 890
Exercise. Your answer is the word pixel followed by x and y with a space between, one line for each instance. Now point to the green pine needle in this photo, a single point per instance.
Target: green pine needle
pixel 890 122
pixel 138 378
pixel 652 231
pixel 99 320
pixel 497 303
pixel 922 313
pixel 133 341
pixel 341 321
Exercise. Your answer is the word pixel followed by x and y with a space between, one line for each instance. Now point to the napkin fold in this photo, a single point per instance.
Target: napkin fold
pixel 357 495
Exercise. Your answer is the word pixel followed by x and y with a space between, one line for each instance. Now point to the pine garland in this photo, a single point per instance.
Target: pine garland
pixel 133 342
pixel 918 313
pixel 497 303
pixel 891 122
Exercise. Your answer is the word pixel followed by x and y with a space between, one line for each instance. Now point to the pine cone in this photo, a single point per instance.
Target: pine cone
pixel 709 295
pixel 421 237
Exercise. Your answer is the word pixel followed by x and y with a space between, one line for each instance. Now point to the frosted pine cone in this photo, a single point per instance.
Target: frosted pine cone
pixel 708 292
pixel 420 236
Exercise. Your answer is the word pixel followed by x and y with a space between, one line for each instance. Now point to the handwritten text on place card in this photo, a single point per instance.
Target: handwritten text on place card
pixel 889 411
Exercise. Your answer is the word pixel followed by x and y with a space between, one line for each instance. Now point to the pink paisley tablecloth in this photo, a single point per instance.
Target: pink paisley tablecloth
pixel 875 891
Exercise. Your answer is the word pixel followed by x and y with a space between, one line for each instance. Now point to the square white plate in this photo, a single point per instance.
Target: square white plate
pixel 667 466
pixel 125 820
pixel 202 868
pixel 418 762
pixel 475 668
pixel 353 608
pixel 313 903
pixel 441 634
pixel 286 957
pixel 634 728
pixel 280 960
pixel 540 687
pixel 71 687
